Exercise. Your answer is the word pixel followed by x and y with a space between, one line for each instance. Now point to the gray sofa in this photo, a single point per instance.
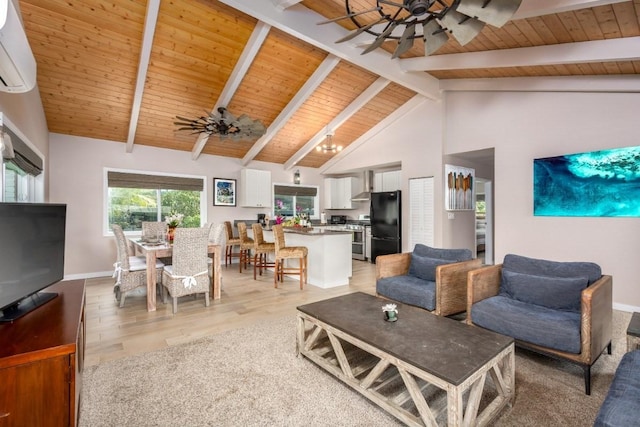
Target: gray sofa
pixel 431 278
pixel 621 406
pixel 562 309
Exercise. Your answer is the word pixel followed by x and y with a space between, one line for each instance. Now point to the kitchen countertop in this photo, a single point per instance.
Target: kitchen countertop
pixel 315 231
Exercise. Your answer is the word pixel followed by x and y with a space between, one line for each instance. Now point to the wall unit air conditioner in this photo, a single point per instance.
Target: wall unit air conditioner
pixel 17 64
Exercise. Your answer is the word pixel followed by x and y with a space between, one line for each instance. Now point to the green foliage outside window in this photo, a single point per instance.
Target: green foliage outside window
pixel 128 207
pixel 290 206
pixel 481 207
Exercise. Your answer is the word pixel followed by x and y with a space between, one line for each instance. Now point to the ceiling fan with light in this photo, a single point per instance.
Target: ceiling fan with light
pixel 430 20
pixel 224 124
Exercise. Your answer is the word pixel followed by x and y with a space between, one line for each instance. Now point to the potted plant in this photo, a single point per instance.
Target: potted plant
pixel 390 312
pixel 173 221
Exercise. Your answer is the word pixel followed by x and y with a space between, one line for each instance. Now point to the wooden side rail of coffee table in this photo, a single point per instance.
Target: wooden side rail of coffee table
pixel 436 377
pixel 633 332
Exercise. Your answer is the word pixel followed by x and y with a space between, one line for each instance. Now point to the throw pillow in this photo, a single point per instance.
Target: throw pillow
pixel 424 267
pixel 560 293
pixel 534 266
pixel 452 255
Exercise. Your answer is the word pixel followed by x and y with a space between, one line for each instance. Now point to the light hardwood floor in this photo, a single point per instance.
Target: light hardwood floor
pixel 114 332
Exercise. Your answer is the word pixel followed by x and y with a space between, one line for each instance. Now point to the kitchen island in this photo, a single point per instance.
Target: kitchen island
pixel 329 258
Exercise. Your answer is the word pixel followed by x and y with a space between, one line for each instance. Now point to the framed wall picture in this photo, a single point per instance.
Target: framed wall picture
pixel 224 192
pixel 459 192
pixel 604 183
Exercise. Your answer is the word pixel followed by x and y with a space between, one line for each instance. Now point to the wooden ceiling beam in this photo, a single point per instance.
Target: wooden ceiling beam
pixel 623 49
pixel 533 8
pixel 301 22
pixel 611 84
pixel 366 96
pixel 249 53
pixel 283 4
pixel 305 91
pixel 150 21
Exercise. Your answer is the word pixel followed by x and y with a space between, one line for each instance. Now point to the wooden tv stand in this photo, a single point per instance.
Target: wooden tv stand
pixel 41 360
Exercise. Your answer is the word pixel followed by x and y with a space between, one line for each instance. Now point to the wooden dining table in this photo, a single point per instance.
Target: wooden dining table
pixel 153 252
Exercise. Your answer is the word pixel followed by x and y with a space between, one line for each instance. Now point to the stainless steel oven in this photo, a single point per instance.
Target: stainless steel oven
pixel 358 249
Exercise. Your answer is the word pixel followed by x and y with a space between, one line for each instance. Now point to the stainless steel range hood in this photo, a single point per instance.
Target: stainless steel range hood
pixel 365 195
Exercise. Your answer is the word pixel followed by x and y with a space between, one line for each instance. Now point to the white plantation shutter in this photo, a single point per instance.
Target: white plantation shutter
pixel 421 211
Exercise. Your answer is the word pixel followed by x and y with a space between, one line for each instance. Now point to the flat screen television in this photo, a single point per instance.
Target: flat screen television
pixel 32 239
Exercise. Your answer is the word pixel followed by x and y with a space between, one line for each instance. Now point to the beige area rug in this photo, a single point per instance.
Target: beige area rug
pixel 252 377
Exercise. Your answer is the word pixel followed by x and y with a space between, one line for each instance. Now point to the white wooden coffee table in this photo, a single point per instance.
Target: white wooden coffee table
pixel 423 369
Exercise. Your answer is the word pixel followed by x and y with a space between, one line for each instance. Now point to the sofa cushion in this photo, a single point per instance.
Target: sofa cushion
pixel 561 293
pixel 621 406
pixel 408 290
pixel 454 255
pixel 556 329
pixel 424 267
pixel 541 267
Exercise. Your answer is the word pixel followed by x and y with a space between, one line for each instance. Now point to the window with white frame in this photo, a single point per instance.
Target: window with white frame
pixel 132 198
pixel 18 186
pixel 293 200
pixel 21 166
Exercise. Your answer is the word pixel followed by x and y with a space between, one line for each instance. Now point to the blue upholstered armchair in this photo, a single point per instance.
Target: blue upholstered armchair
pixel 431 278
pixel 561 309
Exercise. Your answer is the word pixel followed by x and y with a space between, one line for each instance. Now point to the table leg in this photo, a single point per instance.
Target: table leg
pixel 151 281
pixel 217 252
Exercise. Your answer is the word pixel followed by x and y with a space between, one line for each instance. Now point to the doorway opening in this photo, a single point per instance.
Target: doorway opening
pixel 484 221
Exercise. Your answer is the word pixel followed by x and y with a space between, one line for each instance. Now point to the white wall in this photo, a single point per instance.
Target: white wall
pixel 523 126
pixel 26 114
pixel 77 179
pixel 415 141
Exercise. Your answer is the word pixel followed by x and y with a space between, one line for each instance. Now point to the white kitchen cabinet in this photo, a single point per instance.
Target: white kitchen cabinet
pixel 339 191
pixel 254 190
pixel 387 181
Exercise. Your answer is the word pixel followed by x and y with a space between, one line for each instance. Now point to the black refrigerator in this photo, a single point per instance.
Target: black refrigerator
pixel 386 224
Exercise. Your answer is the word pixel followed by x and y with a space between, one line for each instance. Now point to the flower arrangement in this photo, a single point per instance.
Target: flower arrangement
pixel 390 312
pixel 279 206
pixel 174 220
pixel 390 307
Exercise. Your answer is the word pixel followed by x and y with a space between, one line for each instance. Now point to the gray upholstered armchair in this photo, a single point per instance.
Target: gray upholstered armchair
pixel 430 278
pixel 561 309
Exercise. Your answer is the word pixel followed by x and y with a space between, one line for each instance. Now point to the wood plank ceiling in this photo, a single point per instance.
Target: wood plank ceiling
pixel 121 70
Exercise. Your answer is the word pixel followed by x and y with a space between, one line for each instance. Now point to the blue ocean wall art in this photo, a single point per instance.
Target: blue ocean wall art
pixel 603 183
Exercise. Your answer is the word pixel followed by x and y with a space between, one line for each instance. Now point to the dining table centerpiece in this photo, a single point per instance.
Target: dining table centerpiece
pixel 390 312
pixel 173 221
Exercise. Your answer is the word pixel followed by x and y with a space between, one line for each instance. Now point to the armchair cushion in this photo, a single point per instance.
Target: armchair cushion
pixel 561 293
pixel 555 329
pixel 452 255
pixel 541 267
pixel 408 290
pixel 424 267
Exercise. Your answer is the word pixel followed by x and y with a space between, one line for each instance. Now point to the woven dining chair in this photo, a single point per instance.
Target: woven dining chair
pixel 217 236
pixel 189 272
pixel 246 245
pixel 154 230
pixel 261 250
pixel 284 253
pixel 130 271
pixel 231 242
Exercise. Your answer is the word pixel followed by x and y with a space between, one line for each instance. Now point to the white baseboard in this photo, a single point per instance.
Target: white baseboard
pixel 625 307
pixel 89 275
